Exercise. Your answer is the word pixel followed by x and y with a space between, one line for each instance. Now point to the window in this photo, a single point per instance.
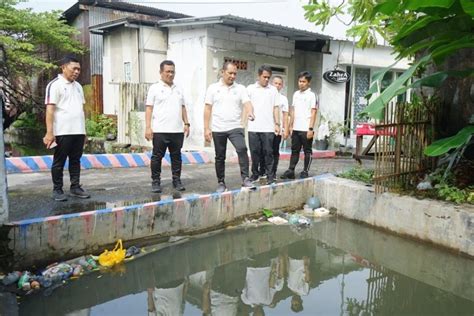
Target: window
pixel 241 64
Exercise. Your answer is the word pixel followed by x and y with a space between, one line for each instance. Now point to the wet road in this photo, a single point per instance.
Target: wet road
pixel 30 194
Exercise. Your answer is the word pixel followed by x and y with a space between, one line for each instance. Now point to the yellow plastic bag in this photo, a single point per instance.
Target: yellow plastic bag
pixel 110 258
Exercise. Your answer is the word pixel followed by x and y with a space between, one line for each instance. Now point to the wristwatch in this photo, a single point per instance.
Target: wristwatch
pixel 311 129
pixel 277 124
pixel 187 124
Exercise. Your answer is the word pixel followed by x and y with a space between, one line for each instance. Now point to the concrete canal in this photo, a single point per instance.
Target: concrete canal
pixel 334 267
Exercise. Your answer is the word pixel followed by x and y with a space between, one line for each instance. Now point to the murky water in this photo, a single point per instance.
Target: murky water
pixel 333 268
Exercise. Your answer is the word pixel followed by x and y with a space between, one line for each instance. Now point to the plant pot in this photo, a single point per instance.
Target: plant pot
pixel 321 144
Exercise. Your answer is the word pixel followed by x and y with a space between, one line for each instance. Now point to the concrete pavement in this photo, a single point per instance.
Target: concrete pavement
pixel 30 194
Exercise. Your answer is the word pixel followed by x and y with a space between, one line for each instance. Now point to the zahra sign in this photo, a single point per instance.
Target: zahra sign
pixel 336 76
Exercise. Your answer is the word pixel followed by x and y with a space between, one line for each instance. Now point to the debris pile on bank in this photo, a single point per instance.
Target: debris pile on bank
pixel 57 274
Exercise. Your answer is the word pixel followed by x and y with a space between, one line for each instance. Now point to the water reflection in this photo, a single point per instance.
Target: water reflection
pixel 264 270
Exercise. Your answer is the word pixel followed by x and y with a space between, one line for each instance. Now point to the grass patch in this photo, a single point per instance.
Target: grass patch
pixel 359 174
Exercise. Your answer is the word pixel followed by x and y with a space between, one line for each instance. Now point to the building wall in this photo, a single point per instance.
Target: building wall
pixel 312 62
pixel 120 49
pixel 333 96
pixel 122 61
pixel 155 46
pixel 187 48
pixel 255 47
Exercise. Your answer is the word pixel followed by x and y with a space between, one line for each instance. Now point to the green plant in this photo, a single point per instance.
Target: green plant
pixel 457 143
pixel 359 174
pixel 100 126
pixel 445 189
pixel 451 193
pixel 27 41
pixel 27 120
pixel 335 129
pixel 431 31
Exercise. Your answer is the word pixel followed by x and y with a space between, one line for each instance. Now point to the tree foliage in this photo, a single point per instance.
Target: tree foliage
pixel 436 27
pixel 431 30
pixel 29 42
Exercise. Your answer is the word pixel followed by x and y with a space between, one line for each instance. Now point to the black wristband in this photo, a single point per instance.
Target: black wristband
pixel 187 124
pixel 311 129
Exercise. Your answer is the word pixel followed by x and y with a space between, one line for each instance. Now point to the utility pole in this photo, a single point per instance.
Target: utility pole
pixel 3 174
pixel 351 88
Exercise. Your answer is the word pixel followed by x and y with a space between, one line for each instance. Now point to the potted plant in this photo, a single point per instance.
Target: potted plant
pixel 322 140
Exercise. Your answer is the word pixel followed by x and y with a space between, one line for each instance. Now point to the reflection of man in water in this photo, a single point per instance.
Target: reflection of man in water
pixel 299 276
pixel 221 293
pixel 263 279
pixel 168 300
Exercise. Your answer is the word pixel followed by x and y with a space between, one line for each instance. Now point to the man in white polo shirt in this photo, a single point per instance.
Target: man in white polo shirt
pixel 166 123
pixel 302 118
pixel 262 130
pixel 65 127
pixel 225 103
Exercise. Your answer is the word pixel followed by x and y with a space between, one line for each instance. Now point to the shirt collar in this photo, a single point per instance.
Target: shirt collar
pixel 164 84
pixel 258 85
pixel 61 77
pixel 305 91
pixel 221 82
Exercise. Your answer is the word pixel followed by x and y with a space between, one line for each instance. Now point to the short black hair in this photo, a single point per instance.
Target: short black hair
pixel 167 63
pixel 68 59
pixel 279 77
pixel 306 74
pixel 226 64
pixel 263 68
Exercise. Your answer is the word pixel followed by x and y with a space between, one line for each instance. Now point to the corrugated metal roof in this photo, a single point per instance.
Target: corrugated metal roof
pixel 245 24
pixel 73 11
pixel 127 22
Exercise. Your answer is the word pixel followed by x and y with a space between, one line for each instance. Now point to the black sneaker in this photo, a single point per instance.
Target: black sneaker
pixel 304 174
pixel 178 185
pixel 221 187
pixel 270 180
pixel 248 184
pixel 254 178
pixel 79 192
pixel 58 195
pixel 288 174
pixel 156 187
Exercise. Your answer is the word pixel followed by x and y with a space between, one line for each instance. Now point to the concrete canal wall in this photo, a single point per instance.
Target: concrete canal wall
pixel 44 239
pixel 441 223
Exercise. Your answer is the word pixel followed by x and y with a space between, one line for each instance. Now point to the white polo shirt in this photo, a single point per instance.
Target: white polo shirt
pixel 169 301
pixel 303 102
pixel 283 106
pixel 167 102
pixel 296 277
pixel 226 102
pixel 263 99
pixel 68 100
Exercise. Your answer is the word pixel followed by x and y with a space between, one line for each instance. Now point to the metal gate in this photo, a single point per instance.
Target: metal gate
pixel 400 140
pixel 132 97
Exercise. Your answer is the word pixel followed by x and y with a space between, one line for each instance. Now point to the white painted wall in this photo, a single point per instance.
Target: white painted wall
pixel 122 46
pixel 332 98
pixel 187 48
pixel 155 44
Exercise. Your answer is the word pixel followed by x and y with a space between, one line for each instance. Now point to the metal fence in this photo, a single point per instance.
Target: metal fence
pixel 132 97
pixel 400 140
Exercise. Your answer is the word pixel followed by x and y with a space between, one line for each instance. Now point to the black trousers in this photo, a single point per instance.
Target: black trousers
pixel 162 141
pixel 72 147
pixel 299 140
pixel 237 138
pixel 261 148
pixel 276 157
